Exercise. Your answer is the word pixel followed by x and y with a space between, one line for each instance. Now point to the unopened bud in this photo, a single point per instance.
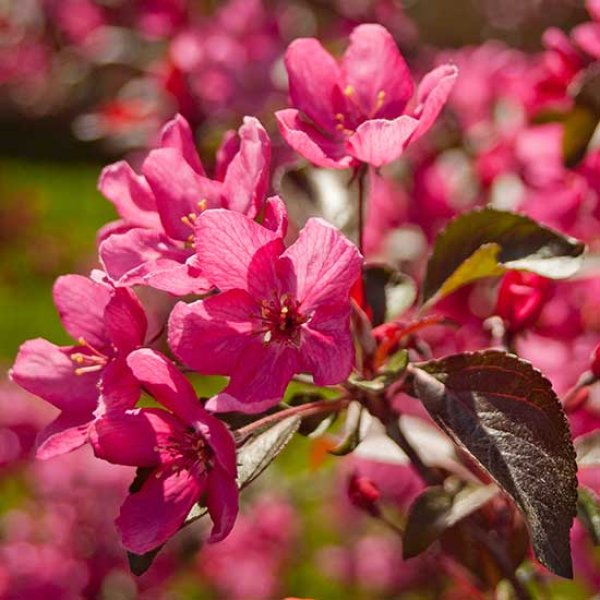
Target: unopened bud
pixel 363 493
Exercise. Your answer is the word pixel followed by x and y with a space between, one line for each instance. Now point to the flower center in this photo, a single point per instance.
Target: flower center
pixel 281 320
pixel 90 361
pixel 355 113
pixel 185 452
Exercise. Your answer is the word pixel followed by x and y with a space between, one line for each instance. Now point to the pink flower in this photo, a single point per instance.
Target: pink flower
pixel 356 111
pixel 189 454
pixel 595 362
pixel 521 298
pixel 587 35
pixel 280 311
pixel 108 324
pixel 152 246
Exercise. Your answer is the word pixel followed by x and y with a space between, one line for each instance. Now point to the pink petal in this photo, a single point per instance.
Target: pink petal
pixel 593 7
pixel 222 500
pixel 179 190
pixel 587 37
pixel 47 371
pixel 313 76
pixel 66 433
pixel 177 134
pixel 372 64
pixel 247 177
pixel 119 389
pixel 81 303
pixel 135 438
pixel 230 146
pixel 222 443
pixel 432 94
pixel 131 195
pixel 325 263
pixel 258 380
pixel 151 516
pixel 125 320
pixel 379 142
pixel 327 347
pixel 144 257
pixel 275 216
pixel 210 334
pixel 164 382
pixel 310 143
pixel 230 245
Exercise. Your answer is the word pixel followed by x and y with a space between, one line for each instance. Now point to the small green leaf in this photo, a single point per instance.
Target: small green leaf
pixel 588 449
pixel 437 509
pixel 352 438
pixel 397 363
pixel 262 449
pixel 579 127
pixel 485 243
pixel 506 415
pixel 588 511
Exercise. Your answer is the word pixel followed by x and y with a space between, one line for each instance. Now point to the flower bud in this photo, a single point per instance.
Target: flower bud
pixel 521 298
pixel 363 493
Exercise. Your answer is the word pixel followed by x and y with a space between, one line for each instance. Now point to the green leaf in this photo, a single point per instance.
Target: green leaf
pixel 485 243
pixel 397 363
pixel 579 127
pixel 588 511
pixel 262 449
pixel 352 437
pixel 506 415
pixel 588 449
pixel 140 563
pixel 437 509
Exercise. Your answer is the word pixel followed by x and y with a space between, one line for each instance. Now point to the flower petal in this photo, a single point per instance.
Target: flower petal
pixel 48 371
pixel 227 247
pixel 222 500
pixel 432 94
pixel 144 257
pixel 311 143
pixel 327 348
pixel 259 379
pixel 179 190
pixel 134 438
pixel 131 195
pixel 230 146
pixel 247 177
pixel 379 142
pixel 125 320
pixel 66 433
pixel 209 335
pixel 81 303
pixel 325 263
pixel 177 134
pixel 313 76
pixel 151 516
pixel 119 389
pixel 378 75
pixel 165 383
pixel 275 216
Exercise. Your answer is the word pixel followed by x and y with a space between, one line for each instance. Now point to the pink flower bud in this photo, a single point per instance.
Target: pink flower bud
pixel 363 493
pixel 521 298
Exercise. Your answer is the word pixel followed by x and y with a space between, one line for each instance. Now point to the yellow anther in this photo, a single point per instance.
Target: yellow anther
pixel 339 117
pixel 349 90
pixel 340 127
pixel 203 204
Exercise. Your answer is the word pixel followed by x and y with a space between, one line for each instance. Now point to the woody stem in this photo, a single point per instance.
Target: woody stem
pixel 304 410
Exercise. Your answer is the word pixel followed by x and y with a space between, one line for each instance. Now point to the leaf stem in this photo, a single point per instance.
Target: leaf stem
pixel 394 432
pixel 304 410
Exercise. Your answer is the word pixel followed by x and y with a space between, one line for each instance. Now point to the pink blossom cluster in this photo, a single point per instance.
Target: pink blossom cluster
pixel 212 270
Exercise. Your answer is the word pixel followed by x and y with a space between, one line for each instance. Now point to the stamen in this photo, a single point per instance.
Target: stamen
pixel 349 91
pixel 203 204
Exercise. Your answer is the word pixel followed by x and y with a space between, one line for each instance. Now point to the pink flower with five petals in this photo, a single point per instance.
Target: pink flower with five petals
pixel 190 456
pixel 280 311
pixel 108 324
pixel 356 111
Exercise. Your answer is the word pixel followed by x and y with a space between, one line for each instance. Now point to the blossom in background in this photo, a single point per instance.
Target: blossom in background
pixel 280 311
pixel 189 455
pixel 108 324
pixel 357 111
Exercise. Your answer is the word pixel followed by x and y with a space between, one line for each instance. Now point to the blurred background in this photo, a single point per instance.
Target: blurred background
pixel 87 82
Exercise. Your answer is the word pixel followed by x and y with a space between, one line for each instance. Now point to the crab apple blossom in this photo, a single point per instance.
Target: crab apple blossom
pixel 91 376
pixel 357 110
pixel 189 455
pixel 152 244
pixel 279 311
